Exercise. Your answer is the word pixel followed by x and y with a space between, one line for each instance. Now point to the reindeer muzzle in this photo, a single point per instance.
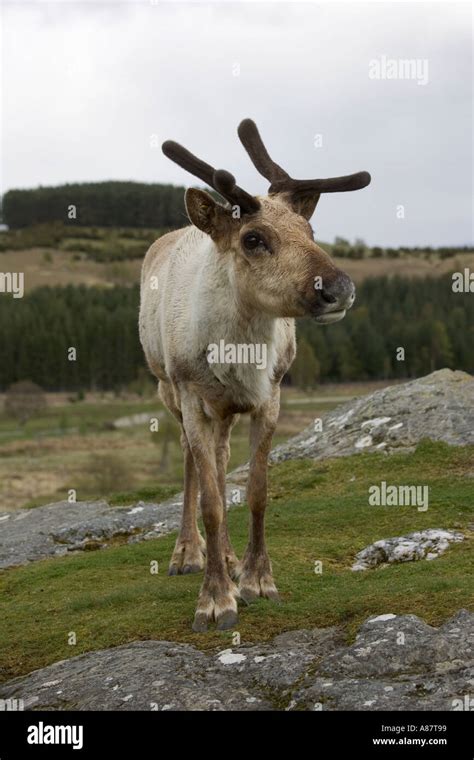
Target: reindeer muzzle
pixel 333 299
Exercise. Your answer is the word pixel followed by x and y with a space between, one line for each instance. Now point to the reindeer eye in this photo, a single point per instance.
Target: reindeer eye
pixel 252 241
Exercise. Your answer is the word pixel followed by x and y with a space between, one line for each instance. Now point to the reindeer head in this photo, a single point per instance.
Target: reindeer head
pixel 267 242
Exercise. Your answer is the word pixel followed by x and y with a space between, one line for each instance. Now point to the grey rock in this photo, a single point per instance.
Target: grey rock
pixel 439 406
pixel 61 528
pixel 397 662
pixel 423 544
pixel 144 675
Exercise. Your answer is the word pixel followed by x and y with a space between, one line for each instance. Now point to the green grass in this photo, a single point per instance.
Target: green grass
pixel 317 511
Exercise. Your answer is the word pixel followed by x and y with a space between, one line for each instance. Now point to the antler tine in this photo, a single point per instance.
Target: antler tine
pixel 281 182
pixel 331 185
pixel 224 183
pixel 253 144
pixel 188 161
pixel 219 179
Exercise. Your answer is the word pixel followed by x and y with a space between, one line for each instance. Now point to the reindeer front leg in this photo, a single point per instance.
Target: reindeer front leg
pixel 256 578
pixel 222 435
pixel 218 595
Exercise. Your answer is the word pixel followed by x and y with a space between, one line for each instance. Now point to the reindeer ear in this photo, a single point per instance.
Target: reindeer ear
pixel 303 203
pixel 204 212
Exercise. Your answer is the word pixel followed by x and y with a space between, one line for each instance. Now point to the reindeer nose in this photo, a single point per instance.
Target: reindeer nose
pixel 339 292
pixel 327 296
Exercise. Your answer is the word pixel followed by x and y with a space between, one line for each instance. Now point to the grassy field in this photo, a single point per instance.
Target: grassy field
pixel 44 266
pixel 317 511
pixel 73 445
pixel 55 267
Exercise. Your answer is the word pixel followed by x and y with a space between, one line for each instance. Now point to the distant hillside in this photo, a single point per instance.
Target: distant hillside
pixel 58 254
pixel 106 204
pixel 46 216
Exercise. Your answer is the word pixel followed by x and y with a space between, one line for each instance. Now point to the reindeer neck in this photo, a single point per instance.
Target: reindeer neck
pixel 231 316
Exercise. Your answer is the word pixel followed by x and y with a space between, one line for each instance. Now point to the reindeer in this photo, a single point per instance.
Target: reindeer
pixel 240 274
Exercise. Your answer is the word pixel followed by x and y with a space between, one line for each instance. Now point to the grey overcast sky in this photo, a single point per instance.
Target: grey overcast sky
pixel 91 88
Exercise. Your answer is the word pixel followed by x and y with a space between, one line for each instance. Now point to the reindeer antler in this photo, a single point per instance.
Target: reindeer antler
pixel 219 179
pixel 281 182
pixel 253 144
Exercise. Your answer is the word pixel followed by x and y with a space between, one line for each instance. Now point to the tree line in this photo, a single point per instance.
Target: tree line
pixel 399 328
pixel 139 205
pixel 104 204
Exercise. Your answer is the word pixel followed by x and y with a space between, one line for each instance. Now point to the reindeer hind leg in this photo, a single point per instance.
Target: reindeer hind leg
pixel 190 548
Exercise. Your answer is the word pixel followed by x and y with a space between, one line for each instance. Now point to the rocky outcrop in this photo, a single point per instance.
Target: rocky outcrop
pixel 58 529
pixel 439 406
pixel 422 544
pixel 397 662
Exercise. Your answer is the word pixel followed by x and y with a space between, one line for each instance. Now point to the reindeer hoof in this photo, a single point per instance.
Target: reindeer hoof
pixel 248 595
pixel 273 595
pixel 200 622
pixel 227 620
pixel 217 602
pixel 188 557
pixel 254 585
pixel 187 569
